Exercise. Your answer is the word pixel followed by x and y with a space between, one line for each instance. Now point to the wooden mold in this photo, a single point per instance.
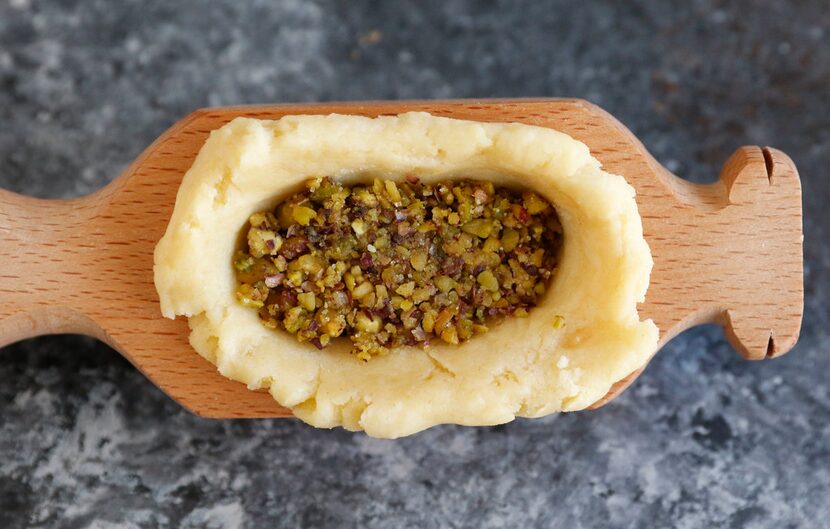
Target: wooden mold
pixel 728 252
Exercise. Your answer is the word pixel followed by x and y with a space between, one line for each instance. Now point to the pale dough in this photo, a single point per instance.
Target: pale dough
pixel 524 367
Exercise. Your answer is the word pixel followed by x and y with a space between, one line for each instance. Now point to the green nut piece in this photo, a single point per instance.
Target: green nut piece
pixel 303 215
pixel 488 281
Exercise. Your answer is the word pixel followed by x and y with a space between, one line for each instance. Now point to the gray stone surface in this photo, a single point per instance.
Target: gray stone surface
pixel 703 439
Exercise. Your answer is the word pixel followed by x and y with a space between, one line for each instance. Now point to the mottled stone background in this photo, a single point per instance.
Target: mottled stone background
pixel 703 439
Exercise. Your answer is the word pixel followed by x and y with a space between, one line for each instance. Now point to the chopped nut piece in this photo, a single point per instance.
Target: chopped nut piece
pixel 359 226
pixel 274 280
pixel 366 324
pixel 444 283
pixel 381 293
pixel 418 259
pixel 509 240
pixel 450 335
pixel 362 290
pixel 406 289
pixel 443 319
pixel 392 190
pixel 263 242
pixel 479 227
pixel 250 296
pixel 492 244
pixel 303 215
pixel 534 203
pixel 243 264
pixel 310 264
pixel 307 301
pixel 428 323
pixel 488 281
pixel 294 319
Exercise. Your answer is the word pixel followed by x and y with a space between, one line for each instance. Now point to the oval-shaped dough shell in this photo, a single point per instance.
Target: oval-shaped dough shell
pixel 523 367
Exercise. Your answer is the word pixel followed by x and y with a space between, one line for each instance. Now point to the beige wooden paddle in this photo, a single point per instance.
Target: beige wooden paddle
pixel 729 252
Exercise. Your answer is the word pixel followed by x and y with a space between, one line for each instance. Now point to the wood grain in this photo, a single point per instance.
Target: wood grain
pixel 728 252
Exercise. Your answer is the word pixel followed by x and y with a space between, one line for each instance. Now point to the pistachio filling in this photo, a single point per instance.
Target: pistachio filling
pixel 397 263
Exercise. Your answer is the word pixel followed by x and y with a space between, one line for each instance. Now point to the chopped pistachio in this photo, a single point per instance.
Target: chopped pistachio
pixel 307 301
pixel 285 216
pixel 428 323
pixel 382 293
pixel 479 227
pixel 444 283
pixel 259 220
pixel 406 289
pixel 392 190
pixel 418 259
pixel 334 326
pixel 250 296
pixel 367 324
pixel 419 295
pixel 310 264
pixel 243 264
pixel 443 319
pixel 349 279
pixel 369 300
pixel 303 215
pixel 382 243
pixel 295 278
pixel 537 257
pixel 465 329
pixel 263 242
pixel 488 281
pixel 509 240
pixel 534 203
pixel 450 334
pixel 362 290
pixel 359 226
pixel 492 244
pixel 294 319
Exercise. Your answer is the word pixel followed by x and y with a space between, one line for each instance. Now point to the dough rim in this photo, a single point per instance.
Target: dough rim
pixel 250 164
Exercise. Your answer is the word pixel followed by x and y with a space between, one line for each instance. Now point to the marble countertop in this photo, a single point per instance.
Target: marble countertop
pixel 702 439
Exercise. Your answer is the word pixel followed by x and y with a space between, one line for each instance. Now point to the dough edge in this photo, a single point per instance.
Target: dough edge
pixel 523 367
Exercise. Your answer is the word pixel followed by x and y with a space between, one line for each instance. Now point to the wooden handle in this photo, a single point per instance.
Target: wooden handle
pixel 731 253
pixel 761 231
pixel 727 253
pixel 46 266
